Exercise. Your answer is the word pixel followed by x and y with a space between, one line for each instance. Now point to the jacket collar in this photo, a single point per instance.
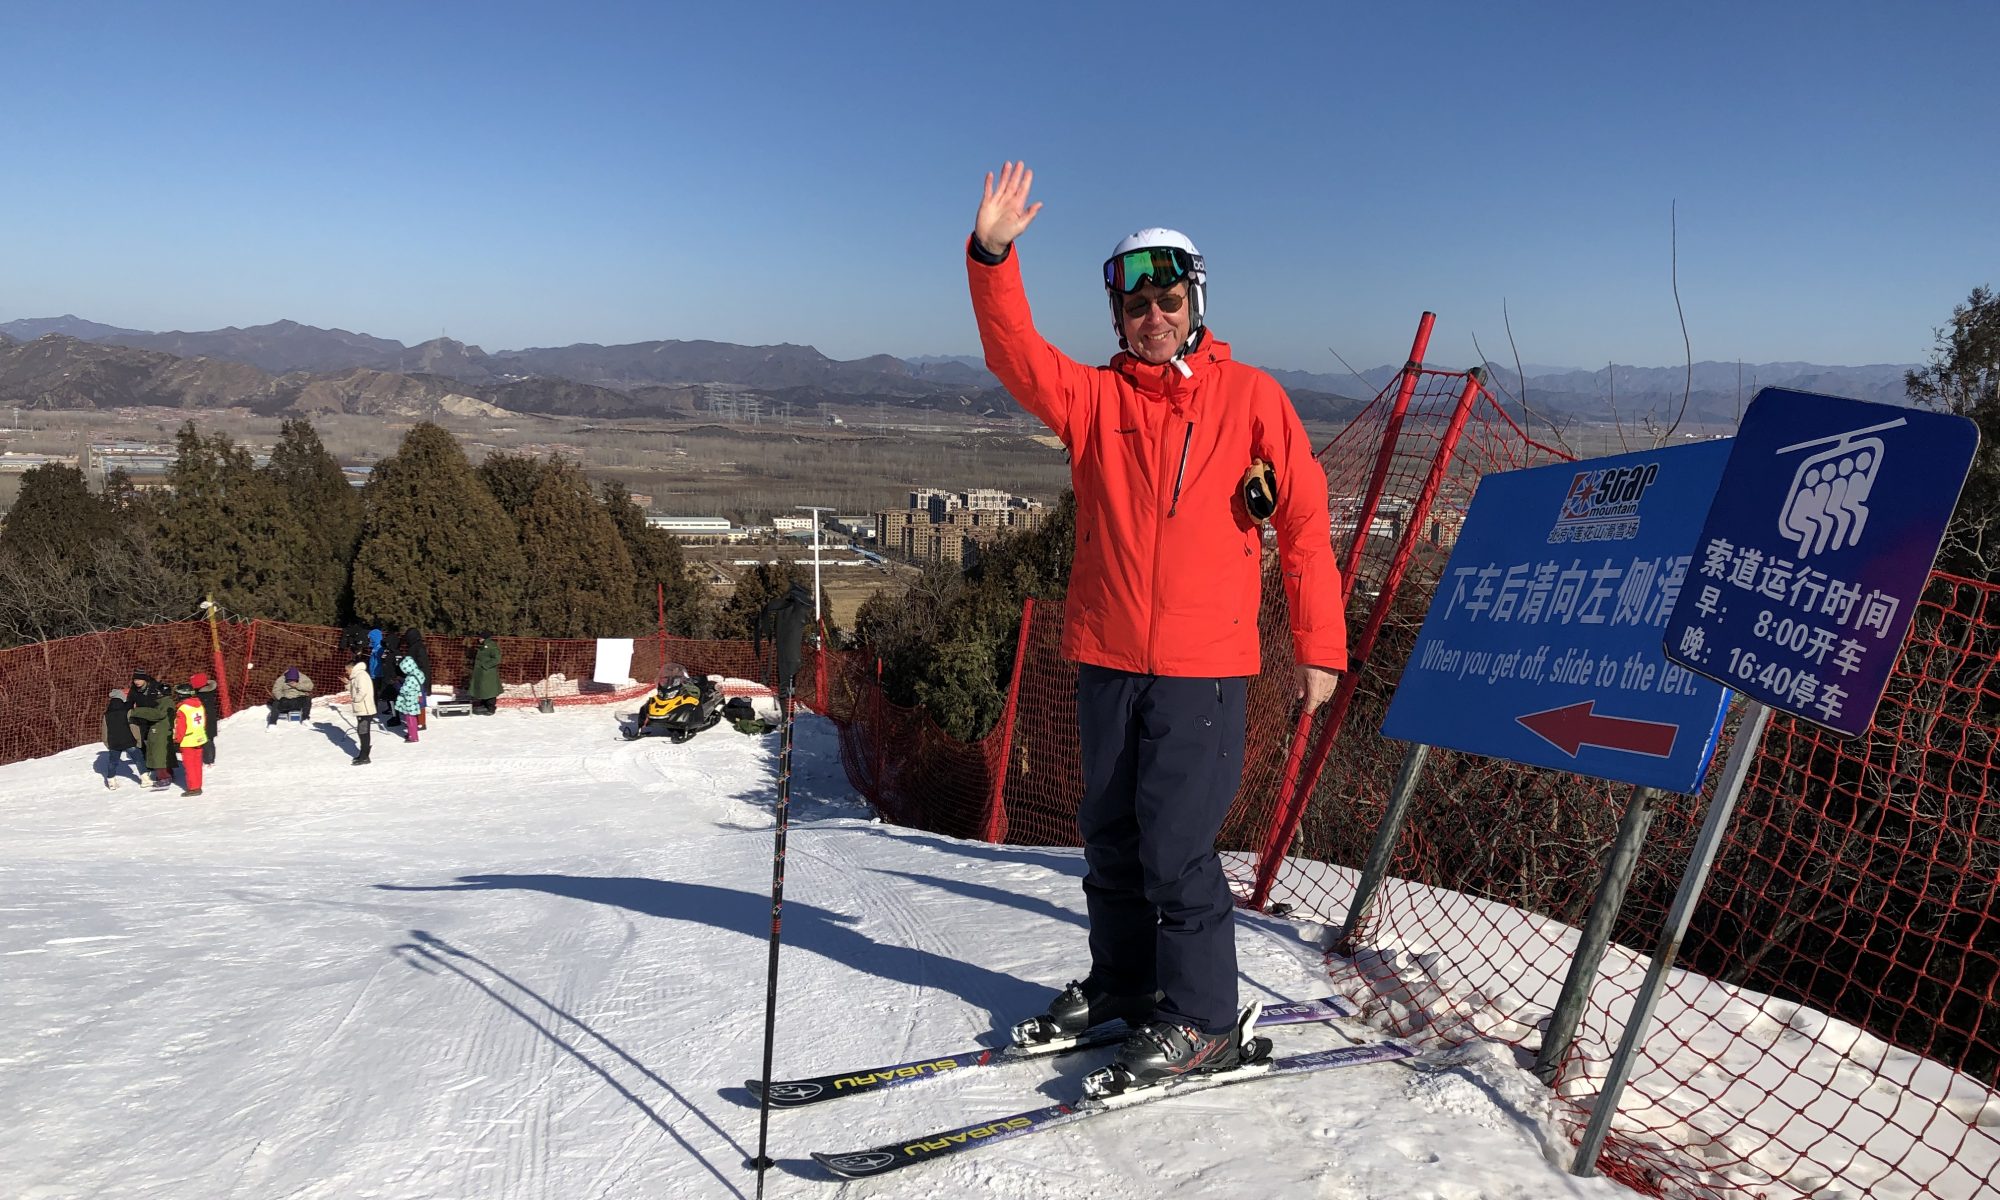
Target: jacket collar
pixel 1166 380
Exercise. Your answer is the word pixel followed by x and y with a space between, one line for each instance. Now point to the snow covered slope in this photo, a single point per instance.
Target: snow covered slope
pixel 526 959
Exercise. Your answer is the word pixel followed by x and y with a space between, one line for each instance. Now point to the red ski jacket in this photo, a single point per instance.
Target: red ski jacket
pixel 1168 562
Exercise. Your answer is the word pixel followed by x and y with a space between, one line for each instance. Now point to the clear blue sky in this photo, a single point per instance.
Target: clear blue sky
pixel 533 175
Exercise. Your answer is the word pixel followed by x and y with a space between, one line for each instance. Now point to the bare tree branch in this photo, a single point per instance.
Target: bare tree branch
pixel 1611 385
pixel 1687 346
pixel 1351 371
pixel 1522 400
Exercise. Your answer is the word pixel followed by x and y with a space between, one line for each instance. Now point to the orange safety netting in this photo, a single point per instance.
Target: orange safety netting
pixel 53 694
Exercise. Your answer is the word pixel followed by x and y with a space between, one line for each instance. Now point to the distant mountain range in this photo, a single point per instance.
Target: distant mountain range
pixel 70 362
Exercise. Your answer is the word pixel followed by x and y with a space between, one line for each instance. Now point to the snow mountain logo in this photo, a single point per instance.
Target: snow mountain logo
pixel 1826 507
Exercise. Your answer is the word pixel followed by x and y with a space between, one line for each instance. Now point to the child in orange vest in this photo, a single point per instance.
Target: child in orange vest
pixel 190 734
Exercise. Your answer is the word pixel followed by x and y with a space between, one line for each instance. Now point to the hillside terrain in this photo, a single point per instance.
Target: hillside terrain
pixel 286 368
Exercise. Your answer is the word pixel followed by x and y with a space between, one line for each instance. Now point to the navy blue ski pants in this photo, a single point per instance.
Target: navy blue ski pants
pixel 1162 758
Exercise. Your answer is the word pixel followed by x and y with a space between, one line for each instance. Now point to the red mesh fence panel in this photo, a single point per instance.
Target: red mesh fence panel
pixel 1858 879
pixel 1045 774
pixel 52 694
pixel 913 772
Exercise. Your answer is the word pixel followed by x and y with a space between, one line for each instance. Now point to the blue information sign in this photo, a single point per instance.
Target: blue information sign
pixel 1816 550
pixel 1542 644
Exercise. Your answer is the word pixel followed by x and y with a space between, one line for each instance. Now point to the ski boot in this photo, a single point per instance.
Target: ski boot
pixel 1161 1052
pixel 1081 1006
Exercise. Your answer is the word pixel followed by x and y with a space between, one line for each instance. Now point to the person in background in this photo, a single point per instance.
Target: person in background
pixel 389 681
pixel 1161 619
pixel 291 692
pixel 410 696
pixel 415 650
pixel 142 691
pixel 156 716
pixel 211 699
pixel 117 735
pixel 190 734
pixel 361 690
pixel 484 686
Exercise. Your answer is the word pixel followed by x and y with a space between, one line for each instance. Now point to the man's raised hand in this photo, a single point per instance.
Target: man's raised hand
pixel 1004 211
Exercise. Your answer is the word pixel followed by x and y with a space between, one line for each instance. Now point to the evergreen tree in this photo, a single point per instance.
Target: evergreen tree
pixel 579 575
pixel 513 478
pixel 56 515
pixel 960 688
pixel 230 528
pixel 436 548
pixel 947 643
pixel 1963 377
pixel 123 497
pixel 330 510
pixel 658 566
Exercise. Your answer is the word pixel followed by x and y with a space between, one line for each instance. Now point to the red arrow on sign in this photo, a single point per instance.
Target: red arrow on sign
pixel 1574 726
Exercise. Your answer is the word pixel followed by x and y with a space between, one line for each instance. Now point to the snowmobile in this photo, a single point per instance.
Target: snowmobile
pixel 681 706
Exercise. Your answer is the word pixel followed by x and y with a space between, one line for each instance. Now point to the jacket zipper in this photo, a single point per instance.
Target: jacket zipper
pixel 1186 438
pixel 1159 540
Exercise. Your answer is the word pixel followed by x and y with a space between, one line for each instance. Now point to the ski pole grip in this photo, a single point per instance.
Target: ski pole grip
pixel 1260 491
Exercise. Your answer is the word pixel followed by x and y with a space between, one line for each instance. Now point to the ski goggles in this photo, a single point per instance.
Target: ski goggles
pixel 1161 266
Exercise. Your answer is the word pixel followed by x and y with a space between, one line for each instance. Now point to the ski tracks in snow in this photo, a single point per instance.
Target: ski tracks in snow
pixel 544 1072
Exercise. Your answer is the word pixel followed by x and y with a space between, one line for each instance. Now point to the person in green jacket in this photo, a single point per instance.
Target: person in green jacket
pixel 484 688
pixel 157 715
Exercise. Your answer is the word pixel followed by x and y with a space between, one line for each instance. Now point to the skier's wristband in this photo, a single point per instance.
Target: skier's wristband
pixel 980 256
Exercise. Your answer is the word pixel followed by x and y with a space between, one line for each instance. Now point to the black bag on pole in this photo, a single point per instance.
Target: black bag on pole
pixel 784 621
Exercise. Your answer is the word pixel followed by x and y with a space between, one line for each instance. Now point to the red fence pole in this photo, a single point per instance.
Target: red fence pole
pixel 819 672
pixel 996 800
pixel 1433 482
pixel 221 668
pixel 1292 811
pixel 1301 738
pixel 1371 501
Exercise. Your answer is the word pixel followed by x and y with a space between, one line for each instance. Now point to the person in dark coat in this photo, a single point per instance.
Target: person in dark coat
pixel 157 715
pixel 211 699
pixel 117 735
pixel 389 681
pixel 141 695
pixel 484 686
pixel 415 650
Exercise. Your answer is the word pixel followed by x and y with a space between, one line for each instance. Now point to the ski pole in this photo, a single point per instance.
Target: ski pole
pixel 787 617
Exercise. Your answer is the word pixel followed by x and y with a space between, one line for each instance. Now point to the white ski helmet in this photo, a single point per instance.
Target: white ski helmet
pixel 1187 263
